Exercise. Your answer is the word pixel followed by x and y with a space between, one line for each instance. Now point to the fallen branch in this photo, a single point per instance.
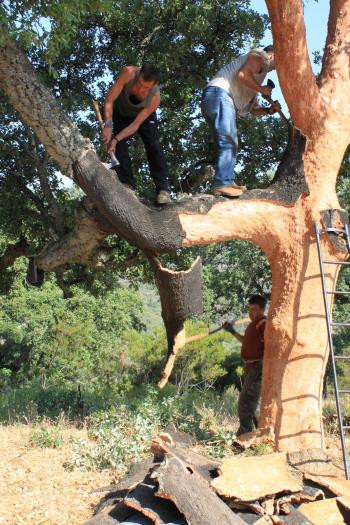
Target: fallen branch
pixel 180 341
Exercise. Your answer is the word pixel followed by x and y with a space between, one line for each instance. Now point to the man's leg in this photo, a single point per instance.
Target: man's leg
pixel 124 170
pixel 218 109
pixel 249 399
pixel 149 134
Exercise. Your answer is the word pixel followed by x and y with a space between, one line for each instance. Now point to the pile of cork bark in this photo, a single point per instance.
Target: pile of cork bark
pixel 179 486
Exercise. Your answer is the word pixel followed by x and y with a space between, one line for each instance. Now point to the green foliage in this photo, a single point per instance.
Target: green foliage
pixel 260 449
pixel 71 342
pixel 45 437
pixel 122 434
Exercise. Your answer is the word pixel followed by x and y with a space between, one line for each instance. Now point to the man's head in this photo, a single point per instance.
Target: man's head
pixel 148 78
pixel 269 51
pixel 256 307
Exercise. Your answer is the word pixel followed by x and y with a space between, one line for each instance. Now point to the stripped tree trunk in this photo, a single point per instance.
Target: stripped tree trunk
pixel 280 220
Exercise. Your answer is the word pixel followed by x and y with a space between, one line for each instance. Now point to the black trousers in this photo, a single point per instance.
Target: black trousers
pixel 149 134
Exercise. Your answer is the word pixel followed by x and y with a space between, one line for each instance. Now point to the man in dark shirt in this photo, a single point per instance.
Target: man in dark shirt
pixel 130 108
pixel 252 352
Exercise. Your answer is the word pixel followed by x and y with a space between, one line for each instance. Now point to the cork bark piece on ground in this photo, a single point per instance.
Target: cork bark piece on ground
pixel 116 492
pixel 252 478
pixel 197 463
pixel 137 472
pixel 314 461
pixel 192 495
pixel 179 438
pixel 307 494
pixel 295 517
pixel 158 510
pixel 324 512
pixel 338 486
pixel 344 508
pixel 112 516
pixel 261 435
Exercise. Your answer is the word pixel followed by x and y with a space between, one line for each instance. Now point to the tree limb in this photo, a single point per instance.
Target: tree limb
pixel 12 252
pixel 78 245
pixel 335 62
pixel 294 69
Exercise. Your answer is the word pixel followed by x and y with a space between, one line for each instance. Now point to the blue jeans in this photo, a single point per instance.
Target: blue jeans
pixel 219 111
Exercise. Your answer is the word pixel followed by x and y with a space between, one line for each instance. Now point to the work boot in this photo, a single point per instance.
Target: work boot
pixel 163 197
pixel 228 191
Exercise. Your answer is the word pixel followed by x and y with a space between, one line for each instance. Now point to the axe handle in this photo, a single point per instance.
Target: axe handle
pixel 279 111
pixel 98 113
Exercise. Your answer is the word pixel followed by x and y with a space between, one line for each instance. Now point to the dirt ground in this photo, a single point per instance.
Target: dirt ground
pixel 35 488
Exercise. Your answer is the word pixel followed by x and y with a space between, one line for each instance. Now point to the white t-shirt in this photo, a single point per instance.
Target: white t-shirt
pixel 243 97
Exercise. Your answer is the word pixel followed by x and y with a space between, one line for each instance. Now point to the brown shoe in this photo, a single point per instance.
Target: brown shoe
pixel 228 191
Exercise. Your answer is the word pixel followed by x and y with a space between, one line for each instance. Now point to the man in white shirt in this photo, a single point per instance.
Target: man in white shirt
pixel 233 91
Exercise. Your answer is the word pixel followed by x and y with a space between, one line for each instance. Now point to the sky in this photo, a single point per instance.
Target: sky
pixel 316 18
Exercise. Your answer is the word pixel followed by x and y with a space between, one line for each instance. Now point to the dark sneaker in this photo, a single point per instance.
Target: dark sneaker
pixel 163 197
pixel 228 191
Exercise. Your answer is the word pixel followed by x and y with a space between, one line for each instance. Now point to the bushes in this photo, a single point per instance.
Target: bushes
pixel 122 434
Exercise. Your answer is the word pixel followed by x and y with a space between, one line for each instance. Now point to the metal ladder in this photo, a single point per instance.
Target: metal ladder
pixel 345 232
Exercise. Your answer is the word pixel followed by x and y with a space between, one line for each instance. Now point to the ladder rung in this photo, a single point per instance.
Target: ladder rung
pixel 338 292
pixel 346 323
pixel 332 230
pixel 345 263
pixel 344 391
pixel 341 357
pixel 346 427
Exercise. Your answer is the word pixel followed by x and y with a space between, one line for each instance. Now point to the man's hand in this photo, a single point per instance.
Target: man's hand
pixel 228 326
pixel 275 107
pixel 106 135
pixel 266 91
pixel 111 146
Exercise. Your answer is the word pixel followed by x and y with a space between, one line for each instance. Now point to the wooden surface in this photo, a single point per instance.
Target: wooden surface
pixel 192 495
pixel 251 478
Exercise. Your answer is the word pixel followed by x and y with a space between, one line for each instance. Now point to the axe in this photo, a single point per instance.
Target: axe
pixel 114 161
pixel 271 84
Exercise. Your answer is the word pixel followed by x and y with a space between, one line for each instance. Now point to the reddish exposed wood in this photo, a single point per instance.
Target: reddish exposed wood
pixel 294 69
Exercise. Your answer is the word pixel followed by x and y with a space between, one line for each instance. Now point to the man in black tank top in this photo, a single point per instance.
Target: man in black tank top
pixel 130 107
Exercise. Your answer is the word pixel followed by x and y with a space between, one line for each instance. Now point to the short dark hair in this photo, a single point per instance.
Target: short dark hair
pixel 150 72
pixel 268 49
pixel 259 300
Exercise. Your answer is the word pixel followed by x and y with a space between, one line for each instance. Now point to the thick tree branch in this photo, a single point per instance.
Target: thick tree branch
pixel 38 108
pixel 293 64
pixel 78 245
pixel 335 62
pixel 12 252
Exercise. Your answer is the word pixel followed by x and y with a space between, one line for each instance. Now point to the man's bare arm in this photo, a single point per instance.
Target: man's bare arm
pixel 271 110
pixel 253 65
pixel 125 76
pixel 136 123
